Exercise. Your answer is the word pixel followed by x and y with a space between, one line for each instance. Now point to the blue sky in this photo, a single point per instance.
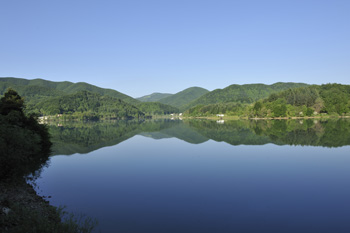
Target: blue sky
pixel 143 46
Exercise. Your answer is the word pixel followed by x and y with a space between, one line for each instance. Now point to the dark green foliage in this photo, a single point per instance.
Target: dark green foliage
pixel 336 98
pixel 155 108
pixel 297 96
pixel 24 144
pixel 11 102
pixel 87 105
pixel 153 97
pixel 248 93
pixel 279 108
pixel 182 98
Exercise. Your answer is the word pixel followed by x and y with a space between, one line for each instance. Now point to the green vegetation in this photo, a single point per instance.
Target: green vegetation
pixel 154 97
pixel 155 108
pixel 244 94
pixel 182 98
pixel 331 99
pixel 89 106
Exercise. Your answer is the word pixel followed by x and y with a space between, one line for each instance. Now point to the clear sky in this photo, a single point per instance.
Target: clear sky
pixel 143 46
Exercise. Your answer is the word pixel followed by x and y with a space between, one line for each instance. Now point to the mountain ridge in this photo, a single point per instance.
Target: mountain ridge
pixel 182 98
pixel 154 97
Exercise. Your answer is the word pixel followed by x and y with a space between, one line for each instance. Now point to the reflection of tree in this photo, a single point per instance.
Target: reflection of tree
pixel 329 133
pixel 336 133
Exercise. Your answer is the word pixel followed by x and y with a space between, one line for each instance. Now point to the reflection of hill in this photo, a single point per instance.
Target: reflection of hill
pixel 82 137
pixel 86 137
pixel 327 133
pixel 232 132
pixel 180 131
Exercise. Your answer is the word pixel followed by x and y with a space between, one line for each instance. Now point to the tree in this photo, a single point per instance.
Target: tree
pixel 25 144
pixel 279 108
pixel 11 102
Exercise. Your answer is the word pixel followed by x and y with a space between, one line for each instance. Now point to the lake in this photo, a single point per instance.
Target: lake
pixel 168 176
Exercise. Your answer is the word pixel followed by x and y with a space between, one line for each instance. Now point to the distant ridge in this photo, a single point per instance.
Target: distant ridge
pixel 154 97
pixel 184 97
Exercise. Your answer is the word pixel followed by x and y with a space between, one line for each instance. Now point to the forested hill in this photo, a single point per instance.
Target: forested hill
pixel 88 105
pixel 154 97
pixel 248 93
pixel 184 97
pixel 308 101
pixel 38 88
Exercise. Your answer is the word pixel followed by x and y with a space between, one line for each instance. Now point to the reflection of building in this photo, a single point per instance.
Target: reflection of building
pixel 220 121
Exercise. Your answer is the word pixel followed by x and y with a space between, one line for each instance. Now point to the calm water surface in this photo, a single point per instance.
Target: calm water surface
pixel 203 176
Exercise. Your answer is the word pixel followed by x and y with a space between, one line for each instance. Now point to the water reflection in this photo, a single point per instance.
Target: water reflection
pixel 153 182
pixel 84 137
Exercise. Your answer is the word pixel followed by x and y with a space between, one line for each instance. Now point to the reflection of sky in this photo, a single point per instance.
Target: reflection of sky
pixel 146 185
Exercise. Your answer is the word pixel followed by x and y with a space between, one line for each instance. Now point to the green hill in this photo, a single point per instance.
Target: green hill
pixel 154 97
pixel 184 97
pixel 57 88
pixel 248 93
pixel 88 105
pixel 39 93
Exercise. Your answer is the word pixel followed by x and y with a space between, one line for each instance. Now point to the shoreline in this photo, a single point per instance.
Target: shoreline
pixel 265 118
pixel 21 205
pixel 22 209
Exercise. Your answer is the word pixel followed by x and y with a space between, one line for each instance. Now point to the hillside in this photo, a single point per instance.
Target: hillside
pixel 154 97
pixel 308 101
pixel 28 89
pixel 88 105
pixel 184 97
pixel 156 108
pixel 333 99
pixel 248 93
